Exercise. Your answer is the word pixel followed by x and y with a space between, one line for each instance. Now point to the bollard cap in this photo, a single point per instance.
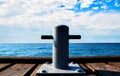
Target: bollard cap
pixel 64 27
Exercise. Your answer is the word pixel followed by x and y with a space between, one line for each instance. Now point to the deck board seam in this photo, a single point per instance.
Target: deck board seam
pixel 31 70
pixel 7 66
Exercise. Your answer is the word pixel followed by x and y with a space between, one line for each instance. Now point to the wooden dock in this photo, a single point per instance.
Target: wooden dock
pixel 93 66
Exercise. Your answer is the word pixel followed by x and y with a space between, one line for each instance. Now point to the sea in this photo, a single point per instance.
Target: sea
pixel 45 49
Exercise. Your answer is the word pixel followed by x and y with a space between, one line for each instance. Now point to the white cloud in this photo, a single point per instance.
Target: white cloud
pixel 29 8
pixel 57 16
pixel 95 8
pixel 117 3
pixel 100 21
pixel 104 6
pixel 86 3
pixel 98 24
pixel 45 14
pixel 69 3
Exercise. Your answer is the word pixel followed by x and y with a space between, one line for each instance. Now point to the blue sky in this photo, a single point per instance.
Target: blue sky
pixel 24 21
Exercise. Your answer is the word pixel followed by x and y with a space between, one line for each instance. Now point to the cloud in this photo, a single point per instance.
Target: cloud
pixel 42 15
pixel 107 21
pixel 101 27
pixel 43 12
pixel 86 3
pixel 104 6
pixel 27 12
pixel 69 3
pixel 95 8
pixel 117 3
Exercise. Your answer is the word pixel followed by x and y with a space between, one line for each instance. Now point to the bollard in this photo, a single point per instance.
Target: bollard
pixel 60 53
pixel 60 47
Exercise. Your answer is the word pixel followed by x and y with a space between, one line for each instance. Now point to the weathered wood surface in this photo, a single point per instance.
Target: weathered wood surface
pixel 4 66
pixel 34 72
pixel 85 68
pixel 17 70
pixel 104 69
pixel 117 64
pixel 27 66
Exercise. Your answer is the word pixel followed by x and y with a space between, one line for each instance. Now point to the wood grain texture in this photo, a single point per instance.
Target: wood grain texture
pixel 17 70
pixel 27 66
pixel 84 68
pixel 103 66
pixel 4 66
pixel 34 72
pixel 104 69
pixel 117 64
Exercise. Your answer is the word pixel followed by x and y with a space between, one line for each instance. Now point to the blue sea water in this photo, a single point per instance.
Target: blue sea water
pixel 45 49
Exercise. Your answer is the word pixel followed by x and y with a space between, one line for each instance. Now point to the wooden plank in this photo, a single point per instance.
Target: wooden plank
pixel 103 66
pixel 3 65
pixel 104 69
pixel 17 70
pixel 90 67
pixel 34 72
pixel 84 68
pixel 114 64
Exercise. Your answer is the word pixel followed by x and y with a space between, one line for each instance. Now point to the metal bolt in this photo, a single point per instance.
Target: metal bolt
pixel 47 63
pixel 44 71
pixel 78 70
pixel 72 62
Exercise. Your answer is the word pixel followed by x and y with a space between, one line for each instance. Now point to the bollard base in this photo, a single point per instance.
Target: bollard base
pixel 47 68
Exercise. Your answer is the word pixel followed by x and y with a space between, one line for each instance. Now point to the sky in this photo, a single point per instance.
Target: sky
pixel 24 21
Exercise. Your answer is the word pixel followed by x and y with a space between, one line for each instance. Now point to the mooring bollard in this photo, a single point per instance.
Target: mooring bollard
pixel 60 47
pixel 60 50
